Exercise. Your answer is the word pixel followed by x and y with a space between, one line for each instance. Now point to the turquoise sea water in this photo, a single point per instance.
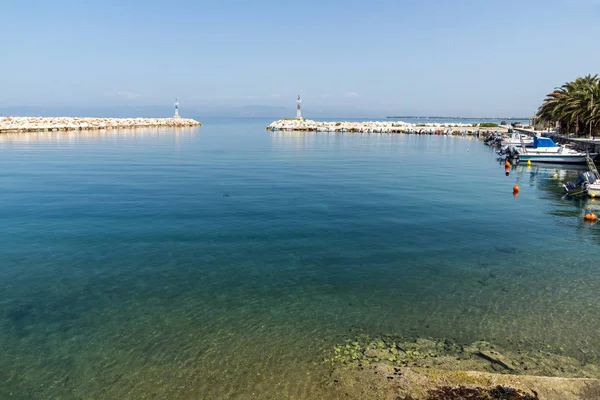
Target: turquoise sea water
pixel 221 262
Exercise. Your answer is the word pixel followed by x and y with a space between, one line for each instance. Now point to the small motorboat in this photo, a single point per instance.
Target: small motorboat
pixel 517 139
pixel 545 150
pixel 587 184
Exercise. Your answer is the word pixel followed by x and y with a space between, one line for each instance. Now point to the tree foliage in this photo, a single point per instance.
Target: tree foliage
pixel 574 106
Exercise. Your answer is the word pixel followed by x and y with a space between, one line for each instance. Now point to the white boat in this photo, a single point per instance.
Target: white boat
pixel 545 150
pixel 514 139
pixel 594 189
pixel 587 184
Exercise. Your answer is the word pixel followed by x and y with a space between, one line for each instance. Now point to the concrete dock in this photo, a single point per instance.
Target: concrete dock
pixel 591 144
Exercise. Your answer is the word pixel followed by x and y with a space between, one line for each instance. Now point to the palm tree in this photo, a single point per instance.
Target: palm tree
pixel 575 106
pixel 593 119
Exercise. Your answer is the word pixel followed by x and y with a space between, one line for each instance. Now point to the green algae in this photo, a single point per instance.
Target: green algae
pixel 402 351
pixel 394 349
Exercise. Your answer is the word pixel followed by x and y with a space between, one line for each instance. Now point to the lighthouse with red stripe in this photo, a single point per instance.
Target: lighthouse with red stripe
pixel 298 111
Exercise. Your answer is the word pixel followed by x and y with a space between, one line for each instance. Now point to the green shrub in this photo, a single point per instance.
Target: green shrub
pixel 488 125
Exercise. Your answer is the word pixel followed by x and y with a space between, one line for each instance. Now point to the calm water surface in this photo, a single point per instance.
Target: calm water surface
pixel 221 262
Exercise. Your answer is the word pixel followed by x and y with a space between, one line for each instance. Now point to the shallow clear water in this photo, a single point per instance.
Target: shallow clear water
pixel 220 262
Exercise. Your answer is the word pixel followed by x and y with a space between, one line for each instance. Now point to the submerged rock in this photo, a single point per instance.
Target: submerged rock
pixel 477 393
pixel 395 367
pixel 497 358
pixel 417 383
pixel 506 250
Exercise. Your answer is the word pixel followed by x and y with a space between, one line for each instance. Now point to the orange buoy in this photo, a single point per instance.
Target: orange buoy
pixel 590 217
pixel 516 189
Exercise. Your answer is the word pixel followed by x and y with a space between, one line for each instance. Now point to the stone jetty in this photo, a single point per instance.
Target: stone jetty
pixel 36 124
pixel 373 127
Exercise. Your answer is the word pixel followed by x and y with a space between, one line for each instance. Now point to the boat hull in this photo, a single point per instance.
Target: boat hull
pixel 517 139
pixel 594 189
pixel 555 158
pixel 528 143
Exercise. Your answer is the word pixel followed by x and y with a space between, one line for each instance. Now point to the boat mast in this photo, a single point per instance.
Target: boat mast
pixel 523 143
pixel 591 111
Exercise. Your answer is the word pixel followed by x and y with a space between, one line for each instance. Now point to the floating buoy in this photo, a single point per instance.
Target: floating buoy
pixel 516 189
pixel 592 195
pixel 590 217
pixel 555 176
pixel 528 162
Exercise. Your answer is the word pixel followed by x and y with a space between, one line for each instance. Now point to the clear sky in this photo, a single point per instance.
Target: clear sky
pixel 424 57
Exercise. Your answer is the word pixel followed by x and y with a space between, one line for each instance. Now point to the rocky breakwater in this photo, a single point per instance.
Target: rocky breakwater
pixel 36 124
pixel 369 127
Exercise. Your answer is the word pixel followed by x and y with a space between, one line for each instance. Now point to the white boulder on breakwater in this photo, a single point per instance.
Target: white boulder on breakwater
pixel 365 126
pixel 33 124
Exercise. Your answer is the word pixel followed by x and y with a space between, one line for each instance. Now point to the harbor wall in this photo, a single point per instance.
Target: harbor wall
pixel 591 145
pixel 37 124
pixel 378 127
pixel 584 144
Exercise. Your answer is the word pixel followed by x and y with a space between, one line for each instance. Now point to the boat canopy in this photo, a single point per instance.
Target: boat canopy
pixel 543 142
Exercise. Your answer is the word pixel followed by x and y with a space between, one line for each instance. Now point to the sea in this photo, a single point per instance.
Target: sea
pixel 224 261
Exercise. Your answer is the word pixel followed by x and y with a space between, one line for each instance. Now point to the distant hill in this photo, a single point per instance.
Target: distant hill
pixel 253 111
pixel 201 111
pixel 472 118
pixel 147 111
pixel 257 111
pixel 88 111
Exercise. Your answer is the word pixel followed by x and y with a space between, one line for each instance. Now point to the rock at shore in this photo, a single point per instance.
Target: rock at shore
pixel 300 124
pixel 33 124
pixel 381 381
pixel 393 367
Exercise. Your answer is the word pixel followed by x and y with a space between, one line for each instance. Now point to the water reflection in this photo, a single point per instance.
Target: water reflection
pixel 549 180
pixel 292 140
pixel 301 140
pixel 549 177
pixel 75 136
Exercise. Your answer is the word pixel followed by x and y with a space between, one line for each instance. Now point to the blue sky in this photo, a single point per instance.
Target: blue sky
pixel 379 57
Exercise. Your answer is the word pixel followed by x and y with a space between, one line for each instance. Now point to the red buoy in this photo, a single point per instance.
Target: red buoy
pixel 590 217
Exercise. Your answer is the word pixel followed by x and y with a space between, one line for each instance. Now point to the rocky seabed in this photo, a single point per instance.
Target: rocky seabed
pixel 34 124
pixel 366 126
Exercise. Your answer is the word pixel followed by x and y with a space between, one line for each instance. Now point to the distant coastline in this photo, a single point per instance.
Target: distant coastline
pixel 469 118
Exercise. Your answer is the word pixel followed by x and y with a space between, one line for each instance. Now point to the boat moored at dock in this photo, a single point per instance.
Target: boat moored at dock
pixel 587 184
pixel 516 139
pixel 545 150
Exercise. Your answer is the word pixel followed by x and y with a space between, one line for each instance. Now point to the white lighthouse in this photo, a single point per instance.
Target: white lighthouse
pixel 298 110
pixel 176 109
